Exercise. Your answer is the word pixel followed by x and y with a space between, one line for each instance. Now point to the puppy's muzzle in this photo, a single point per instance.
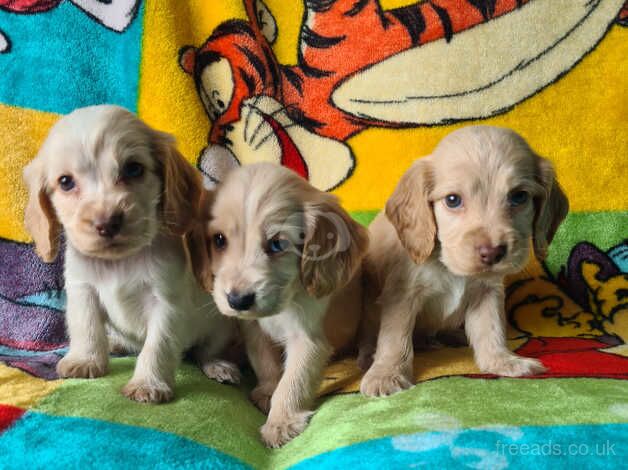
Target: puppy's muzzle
pixel 490 255
pixel 109 227
pixel 240 302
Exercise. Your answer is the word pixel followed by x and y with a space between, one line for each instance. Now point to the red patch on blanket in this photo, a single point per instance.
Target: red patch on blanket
pixel 574 357
pixel 8 415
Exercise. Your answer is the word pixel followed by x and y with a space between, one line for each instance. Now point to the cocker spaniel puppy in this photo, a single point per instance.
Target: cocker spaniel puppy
pixel 123 196
pixel 457 223
pixel 284 258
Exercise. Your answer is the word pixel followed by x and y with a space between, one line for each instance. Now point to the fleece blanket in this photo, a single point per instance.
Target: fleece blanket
pixel 347 93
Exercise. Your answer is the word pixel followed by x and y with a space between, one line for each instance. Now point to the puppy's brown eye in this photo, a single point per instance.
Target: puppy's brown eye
pixel 453 201
pixel 132 170
pixel 66 182
pixel 517 198
pixel 220 241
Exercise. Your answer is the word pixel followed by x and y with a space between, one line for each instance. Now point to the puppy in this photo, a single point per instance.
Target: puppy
pixel 123 196
pixel 457 223
pixel 280 254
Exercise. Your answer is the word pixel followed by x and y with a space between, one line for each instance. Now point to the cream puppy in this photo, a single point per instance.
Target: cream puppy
pixel 284 259
pixel 457 223
pixel 123 196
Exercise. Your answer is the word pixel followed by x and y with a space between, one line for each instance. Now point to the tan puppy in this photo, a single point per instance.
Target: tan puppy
pixel 281 253
pixel 124 197
pixel 457 223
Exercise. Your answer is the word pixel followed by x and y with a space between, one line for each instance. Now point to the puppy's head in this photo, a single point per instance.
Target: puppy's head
pixel 110 182
pixel 270 235
pixel 482 195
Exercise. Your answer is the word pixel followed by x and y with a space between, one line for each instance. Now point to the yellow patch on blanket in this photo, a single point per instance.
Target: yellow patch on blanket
pixel 582 95
pixel 20 389
pixel 23 131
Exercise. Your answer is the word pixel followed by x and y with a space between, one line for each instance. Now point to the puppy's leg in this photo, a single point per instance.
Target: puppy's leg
pixel 392 369
pixel 265 358
pixel 485 326
pixel 367 333
pixel 289 414
pixel 118 344
pixel 88 354
pixel 207 356
pixel 153 378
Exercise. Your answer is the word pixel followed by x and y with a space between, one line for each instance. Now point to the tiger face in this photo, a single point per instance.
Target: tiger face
pixel 242 89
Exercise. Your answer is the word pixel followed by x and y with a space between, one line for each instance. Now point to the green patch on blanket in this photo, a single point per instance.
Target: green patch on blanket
pixel 220 416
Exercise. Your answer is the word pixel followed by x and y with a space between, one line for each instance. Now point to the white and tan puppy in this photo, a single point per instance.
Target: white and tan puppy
pixel 123 197
pixel 457 223
pixel 284 258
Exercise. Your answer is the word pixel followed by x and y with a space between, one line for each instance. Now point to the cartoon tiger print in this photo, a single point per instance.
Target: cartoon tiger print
pixel 339 40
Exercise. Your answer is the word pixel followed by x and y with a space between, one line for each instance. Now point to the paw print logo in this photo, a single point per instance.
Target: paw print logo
pixel 317 238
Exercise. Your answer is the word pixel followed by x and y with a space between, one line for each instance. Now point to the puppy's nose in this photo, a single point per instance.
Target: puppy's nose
pixel 239 301
pixel 110 227
pixel 490 255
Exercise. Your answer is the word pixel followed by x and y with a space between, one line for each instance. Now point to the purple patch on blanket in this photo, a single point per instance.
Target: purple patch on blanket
pixel 31 308
pixel 43 366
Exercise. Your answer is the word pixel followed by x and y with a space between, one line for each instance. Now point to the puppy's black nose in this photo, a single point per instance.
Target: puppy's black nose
pixel 490 255
pixel 111 227
pixel 239 301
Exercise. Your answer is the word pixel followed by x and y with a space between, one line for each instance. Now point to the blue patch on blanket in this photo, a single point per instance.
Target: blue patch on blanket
pixel 63 59
pixel 52 299
pixel 41 441
pixel 494 447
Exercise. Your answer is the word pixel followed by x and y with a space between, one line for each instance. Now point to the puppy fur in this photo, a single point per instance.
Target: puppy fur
pixel 123 196
pixel 431 267
pixel 293 254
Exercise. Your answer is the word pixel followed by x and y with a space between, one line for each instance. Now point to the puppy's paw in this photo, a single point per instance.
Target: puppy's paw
pixel 74 367
pixel 143 392
pixel 377 383
pixel 277 432
pixel 261 395
pixel 222 371
pixel 511 365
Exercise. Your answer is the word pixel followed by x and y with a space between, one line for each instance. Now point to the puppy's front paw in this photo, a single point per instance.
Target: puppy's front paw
pixel 511 365
pixel 277 432
pixel 261 395
pixel 378 383
pixel 73 367
pixel 147 393
pixel 222 371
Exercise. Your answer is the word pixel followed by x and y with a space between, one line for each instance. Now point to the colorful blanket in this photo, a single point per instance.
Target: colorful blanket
pixel 347 93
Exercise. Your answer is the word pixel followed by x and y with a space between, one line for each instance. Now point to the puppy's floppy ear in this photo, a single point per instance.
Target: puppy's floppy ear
pixel 40 218
pixel 410 211
pixel 551 208
pixel 334 246
pixel 182 186
pixel 198 244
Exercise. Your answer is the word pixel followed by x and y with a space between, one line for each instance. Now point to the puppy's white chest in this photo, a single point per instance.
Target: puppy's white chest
pixel 124 289
pixel 305 317
pixel 443 295
pixel 127 305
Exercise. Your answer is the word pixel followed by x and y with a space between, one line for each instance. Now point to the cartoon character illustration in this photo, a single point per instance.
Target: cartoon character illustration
pixel 588 298
pixel 577 322
pixel 116 15
pixel 360 66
